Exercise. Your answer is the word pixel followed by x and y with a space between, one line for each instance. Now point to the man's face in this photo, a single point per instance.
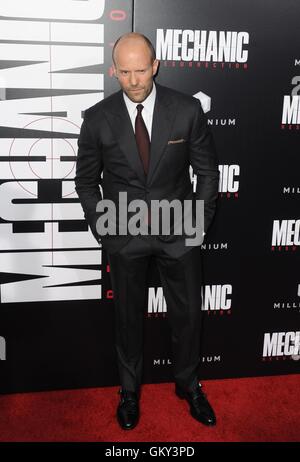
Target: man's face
pixel 134 69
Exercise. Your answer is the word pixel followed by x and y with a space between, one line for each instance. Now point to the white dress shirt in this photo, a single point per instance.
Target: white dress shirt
pixel 147 112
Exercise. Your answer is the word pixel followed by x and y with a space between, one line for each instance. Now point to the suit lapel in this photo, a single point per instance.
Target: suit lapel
pixel 163 118
pixel 123 131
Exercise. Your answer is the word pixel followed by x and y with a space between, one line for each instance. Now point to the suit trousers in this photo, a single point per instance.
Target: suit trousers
pixel 181 283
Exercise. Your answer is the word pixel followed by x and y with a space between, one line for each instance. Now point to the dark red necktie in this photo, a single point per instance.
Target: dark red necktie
pixel 142 138
pixel 143 145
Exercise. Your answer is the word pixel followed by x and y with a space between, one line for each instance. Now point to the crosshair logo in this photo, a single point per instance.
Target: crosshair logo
pixel 47 158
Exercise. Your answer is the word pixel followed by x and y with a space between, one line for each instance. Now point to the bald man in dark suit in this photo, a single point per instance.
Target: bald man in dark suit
pixel 144 139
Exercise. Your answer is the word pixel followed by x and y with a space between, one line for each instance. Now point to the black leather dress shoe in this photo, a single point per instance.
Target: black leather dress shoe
pixel 200 408
pixel 128 412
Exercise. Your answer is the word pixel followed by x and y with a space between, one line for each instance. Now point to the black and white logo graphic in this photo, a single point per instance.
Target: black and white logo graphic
pixel 215 298
pixel 288 305
pixel 286 233
pixel 291 106
pixel 203 47
pixel 281 344
pixel 229 182
pixel 52 59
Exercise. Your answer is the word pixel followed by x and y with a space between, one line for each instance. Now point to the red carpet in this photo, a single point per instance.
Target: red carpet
pixel 263 409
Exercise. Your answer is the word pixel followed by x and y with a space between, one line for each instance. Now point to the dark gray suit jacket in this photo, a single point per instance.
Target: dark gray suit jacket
pixel 107 144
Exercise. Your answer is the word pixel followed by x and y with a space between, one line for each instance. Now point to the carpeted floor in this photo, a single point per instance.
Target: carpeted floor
pixel 262 409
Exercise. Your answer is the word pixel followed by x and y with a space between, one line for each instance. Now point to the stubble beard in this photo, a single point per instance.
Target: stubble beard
pixel 139 98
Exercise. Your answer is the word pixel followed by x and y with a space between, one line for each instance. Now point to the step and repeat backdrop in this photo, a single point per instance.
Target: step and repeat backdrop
pixel 242 60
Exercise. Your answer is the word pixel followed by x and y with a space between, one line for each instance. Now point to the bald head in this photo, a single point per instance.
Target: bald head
pixel 130 40
pixel 135 65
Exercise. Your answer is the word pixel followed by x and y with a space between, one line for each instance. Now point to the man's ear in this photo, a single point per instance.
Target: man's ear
pixel 115 71
pixel 155 67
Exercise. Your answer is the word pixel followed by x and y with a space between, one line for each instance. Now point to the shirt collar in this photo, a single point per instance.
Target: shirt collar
pixel 148 103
